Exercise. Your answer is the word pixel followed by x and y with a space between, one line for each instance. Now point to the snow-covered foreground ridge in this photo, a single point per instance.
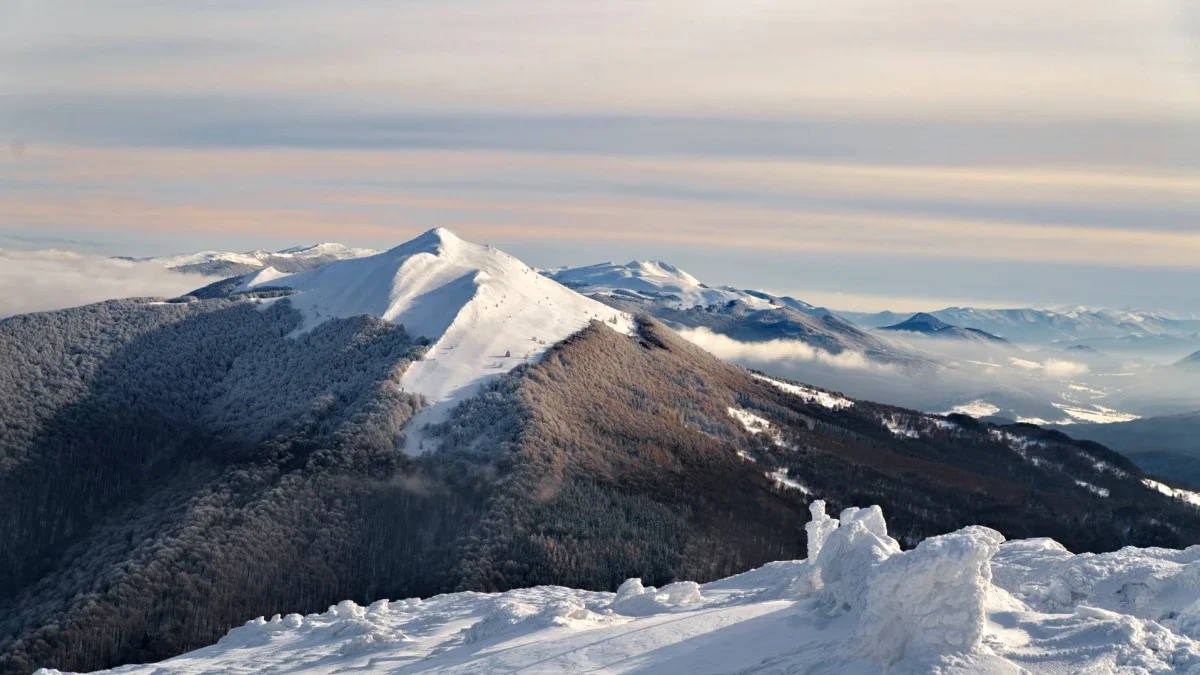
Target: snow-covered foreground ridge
pixel 965 602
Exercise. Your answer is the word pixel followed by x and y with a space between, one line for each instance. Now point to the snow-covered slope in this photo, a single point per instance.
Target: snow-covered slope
pixel 485 311
pixel 660 281
pixel 965 602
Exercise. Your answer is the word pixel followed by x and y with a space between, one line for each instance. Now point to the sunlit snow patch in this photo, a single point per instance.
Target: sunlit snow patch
pixel 1188 496
pixel 1096 414
pixel 976 408
pixel 822 398
pixel 898 428
pixel 780 476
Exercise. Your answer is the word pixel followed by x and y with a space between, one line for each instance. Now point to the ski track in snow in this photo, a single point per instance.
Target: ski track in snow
pixel 486 312
pixel 965 602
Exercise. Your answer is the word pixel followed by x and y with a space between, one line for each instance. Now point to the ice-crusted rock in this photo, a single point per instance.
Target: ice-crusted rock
pixel 930 601
pixel 849 554
pixel 818 528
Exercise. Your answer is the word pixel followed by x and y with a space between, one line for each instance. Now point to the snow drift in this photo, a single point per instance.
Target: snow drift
pixel 965 602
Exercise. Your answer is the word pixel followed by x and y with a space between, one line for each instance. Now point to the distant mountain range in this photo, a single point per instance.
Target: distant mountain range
pixel 440 417
pixel 682 301
pixel 1043 326
pixel 227 264
pixel 1192 361
pixel 930 325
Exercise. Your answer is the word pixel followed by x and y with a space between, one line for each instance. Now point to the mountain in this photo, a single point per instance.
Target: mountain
pixel 485 311
pixel 657 281
pixel 1044 326
pixel 930 325
pixel 226 264
pixel 171 468
pixel 1164 445
pixel 967 602
pixel 683 302
pixel 1189 362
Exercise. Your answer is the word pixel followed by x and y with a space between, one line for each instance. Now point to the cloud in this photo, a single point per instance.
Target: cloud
pixel 1028 58
pixel 776 351
pixel 1057 368
pixel 37 281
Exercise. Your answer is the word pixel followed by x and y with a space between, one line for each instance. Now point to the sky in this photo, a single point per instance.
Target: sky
pixel 860 154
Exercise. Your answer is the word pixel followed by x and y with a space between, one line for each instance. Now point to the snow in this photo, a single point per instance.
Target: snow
pixel 485 311
pixel 258 258
pixel 964 602
pixel 1188 496
pixel 976 408
pixel 899 428
pixel 656 280
pixel 263 277
pixel 781 478
pixel 751 422
pixel 810 395
pixel 1094 489
pixel 1096 414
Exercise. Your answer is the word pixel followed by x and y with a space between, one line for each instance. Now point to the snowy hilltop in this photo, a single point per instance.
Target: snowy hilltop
pixel 228 263
pixel 485 311
pixel 965 602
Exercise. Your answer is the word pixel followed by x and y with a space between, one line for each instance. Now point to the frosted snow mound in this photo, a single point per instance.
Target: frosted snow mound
pixel 485 311
pixel 965 602
pixel 1157 584
pixel 928 602
pixel 849 554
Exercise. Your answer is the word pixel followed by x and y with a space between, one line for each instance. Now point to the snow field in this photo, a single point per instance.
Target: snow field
pixel 965 602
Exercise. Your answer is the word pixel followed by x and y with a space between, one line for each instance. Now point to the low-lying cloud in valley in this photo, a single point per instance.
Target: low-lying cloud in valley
pixel 776 351
pixel 37 281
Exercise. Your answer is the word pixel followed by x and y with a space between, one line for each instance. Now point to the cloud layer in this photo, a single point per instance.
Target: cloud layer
pixel 1020 132
pixel 44 280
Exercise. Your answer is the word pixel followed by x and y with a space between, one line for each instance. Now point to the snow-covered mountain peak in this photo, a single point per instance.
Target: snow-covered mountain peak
pixel 657 268
pixel 485 311
pixel 658 281
pixel 437 241
pixel 330 249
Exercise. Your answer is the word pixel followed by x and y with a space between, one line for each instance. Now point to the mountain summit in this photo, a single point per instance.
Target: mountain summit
pixel 928 324
pixel 484 311
pixel 1191 361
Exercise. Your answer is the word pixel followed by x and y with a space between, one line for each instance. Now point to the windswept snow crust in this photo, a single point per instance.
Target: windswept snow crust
pixel 485 311
pixel 965 602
